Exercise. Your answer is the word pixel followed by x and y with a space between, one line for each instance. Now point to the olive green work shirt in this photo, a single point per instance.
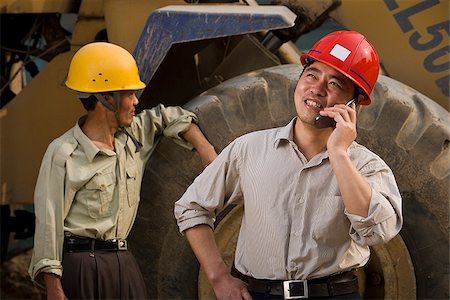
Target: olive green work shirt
pixel 90 192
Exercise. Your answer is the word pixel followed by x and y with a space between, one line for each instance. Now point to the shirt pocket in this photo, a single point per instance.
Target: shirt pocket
pixel 132 185
pixel 99 195
pixel 330 224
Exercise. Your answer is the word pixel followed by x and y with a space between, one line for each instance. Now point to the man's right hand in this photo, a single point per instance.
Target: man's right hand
pixel 230 288
pixel 226 287
pixel 54 287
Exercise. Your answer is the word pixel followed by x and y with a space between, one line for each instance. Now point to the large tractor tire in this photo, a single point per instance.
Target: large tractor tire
pixel 408 130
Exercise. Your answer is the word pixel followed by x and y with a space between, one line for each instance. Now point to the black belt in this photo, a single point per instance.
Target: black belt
pixel 330 286
pixel 75 244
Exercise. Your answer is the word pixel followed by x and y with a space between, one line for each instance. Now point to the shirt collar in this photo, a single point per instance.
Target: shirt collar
pixel 89 148
pixel 285 133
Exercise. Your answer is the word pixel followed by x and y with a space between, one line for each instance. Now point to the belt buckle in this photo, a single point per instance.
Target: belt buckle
pixel 122 245
pixel 287 291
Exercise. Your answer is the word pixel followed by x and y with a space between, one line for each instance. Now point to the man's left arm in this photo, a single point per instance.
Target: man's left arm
pixel 355 190
pixel 175 123
pixel 196 138
pixel 371 197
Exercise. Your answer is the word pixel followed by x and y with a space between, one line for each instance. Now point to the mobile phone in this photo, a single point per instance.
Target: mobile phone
pixel 324 122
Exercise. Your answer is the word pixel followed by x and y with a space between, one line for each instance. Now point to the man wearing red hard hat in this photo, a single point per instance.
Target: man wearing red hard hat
pixel 314 199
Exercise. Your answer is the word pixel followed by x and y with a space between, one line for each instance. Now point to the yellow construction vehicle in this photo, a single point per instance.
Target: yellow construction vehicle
pixel 218 72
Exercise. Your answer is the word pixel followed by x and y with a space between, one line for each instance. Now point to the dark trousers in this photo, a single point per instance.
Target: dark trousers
pixel 103 275
pixel 353 296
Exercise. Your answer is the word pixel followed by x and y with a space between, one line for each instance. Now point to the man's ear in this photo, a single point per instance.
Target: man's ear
pixel 361 97
pixel 108 96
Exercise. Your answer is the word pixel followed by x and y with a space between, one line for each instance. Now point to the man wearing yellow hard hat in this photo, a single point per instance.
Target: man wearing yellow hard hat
pixel 87 192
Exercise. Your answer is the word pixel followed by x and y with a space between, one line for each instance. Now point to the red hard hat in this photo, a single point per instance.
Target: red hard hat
pixel 350 53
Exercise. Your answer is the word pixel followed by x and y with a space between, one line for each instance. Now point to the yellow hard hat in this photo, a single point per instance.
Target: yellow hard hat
pixel 103 67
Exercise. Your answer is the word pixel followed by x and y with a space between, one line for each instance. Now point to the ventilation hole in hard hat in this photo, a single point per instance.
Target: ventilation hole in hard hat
pixel 100 74
pixel 106 80
pixel 93 79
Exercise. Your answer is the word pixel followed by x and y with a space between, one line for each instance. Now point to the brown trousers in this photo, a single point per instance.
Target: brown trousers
pixel 105 275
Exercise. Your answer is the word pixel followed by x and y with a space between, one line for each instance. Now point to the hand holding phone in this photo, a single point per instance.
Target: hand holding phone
pixel 324 122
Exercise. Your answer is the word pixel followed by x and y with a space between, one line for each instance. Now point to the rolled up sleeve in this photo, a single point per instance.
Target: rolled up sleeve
pixel 384 219
pixel 49 211
pixel 216 187
pixel 170 121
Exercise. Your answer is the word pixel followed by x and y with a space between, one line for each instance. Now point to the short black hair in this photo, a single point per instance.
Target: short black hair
pixel 359 91
pixel 89 102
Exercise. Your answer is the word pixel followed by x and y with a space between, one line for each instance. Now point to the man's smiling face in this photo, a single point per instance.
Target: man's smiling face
pixel 320 86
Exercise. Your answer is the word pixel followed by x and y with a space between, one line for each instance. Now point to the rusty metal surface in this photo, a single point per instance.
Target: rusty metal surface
pixel 181 24
pixel 39 6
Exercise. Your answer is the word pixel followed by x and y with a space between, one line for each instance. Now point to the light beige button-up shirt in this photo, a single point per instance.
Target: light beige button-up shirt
pixel 90 192
pixel 295 225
